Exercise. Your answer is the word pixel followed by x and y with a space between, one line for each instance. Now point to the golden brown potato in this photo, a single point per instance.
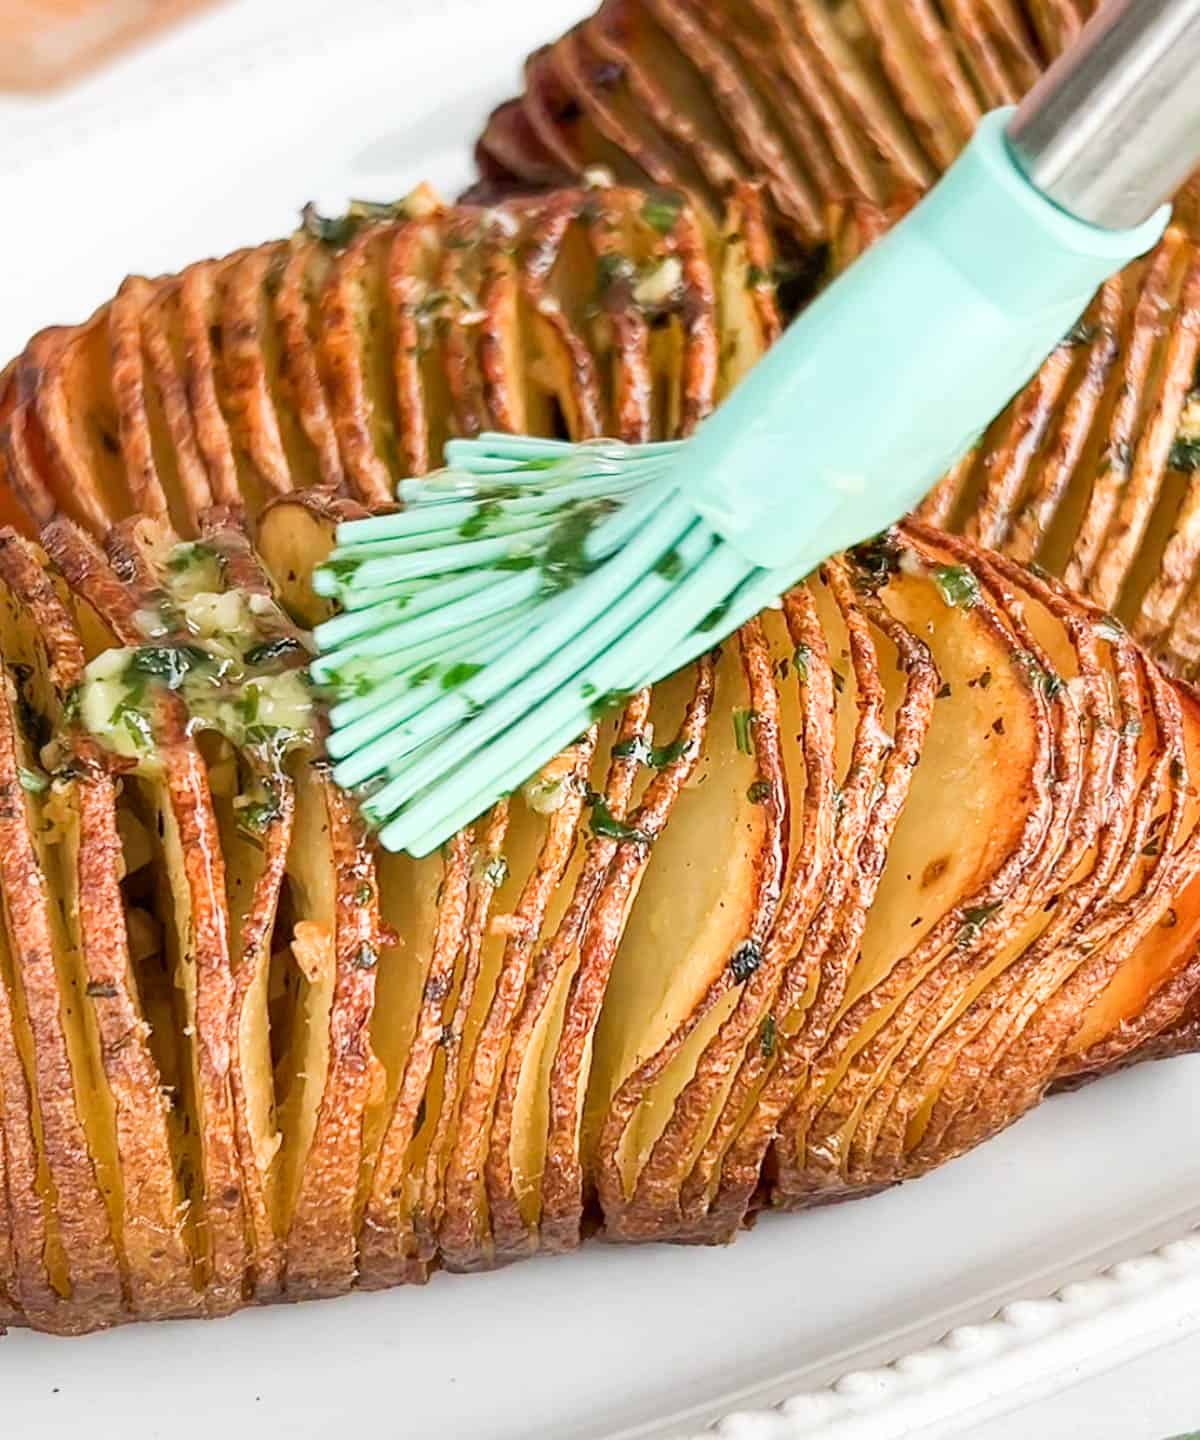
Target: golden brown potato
pixel 827 908
pixel 904 853
pixel 844 118
pixel 865 99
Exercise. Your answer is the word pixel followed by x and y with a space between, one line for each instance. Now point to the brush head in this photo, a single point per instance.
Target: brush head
pixel 534 581
pixel 523 590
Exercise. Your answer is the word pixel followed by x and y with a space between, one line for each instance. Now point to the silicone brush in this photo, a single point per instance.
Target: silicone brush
pixel 533 582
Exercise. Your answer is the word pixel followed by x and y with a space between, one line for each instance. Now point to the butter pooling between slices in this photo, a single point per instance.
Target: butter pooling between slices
pixel 231 655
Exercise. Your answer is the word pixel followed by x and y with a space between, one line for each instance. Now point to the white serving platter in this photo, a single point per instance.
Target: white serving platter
pixel 919 1311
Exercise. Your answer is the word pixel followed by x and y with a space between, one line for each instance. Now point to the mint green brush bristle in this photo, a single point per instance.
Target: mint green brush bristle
pixel 532 582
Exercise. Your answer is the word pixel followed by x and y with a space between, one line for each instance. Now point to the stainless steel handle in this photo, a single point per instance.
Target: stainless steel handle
pixel 1113 127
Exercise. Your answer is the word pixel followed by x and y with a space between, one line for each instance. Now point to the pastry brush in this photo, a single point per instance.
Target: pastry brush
pixel 531 583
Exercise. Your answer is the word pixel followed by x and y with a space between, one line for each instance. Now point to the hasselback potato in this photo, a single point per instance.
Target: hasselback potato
pixel 820 912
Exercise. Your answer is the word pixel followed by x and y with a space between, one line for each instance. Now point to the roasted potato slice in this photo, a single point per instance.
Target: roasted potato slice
pixel 53 1066
pixel 172 803
pixel 84 856
pixel 295 534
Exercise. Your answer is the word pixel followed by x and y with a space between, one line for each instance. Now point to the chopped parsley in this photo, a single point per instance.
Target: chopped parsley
pixel 459 674
pixel 714 616
pixel 565 557
pixel 661 212
pixel 1185 454
pixel 742 720
pixel 280 648
pixel 670 565
pixel 745 961
pixel 195 552
pixel 337 231
pixel 170 665
pixel 256 815
pixel 612 268
pixel 366 957
pixel 876 561
pixel 1047 681
pixel 657 758
pixel 605 823
pixel 127 717
pixel 975 917
pixel 475 524
pixel 958 586
pixel 1081 333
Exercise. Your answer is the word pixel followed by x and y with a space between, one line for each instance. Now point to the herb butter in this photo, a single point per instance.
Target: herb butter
pixel 227 653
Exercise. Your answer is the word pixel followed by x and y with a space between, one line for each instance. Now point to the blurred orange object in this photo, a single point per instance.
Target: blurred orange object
pixel 44 43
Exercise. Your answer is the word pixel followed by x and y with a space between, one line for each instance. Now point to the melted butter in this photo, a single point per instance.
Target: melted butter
pixel 227 653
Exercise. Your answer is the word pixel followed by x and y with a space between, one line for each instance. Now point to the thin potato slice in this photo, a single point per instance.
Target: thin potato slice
pixel 392 1249
pixel 230 475
pixel 574 122
pixel 559 363
pixel 415 253
pixel 666 89
pixel 246 335
pixel 165 353
pixel 600 75
pixel 980 940
pixel 760 150
pixel 749 316
pixel 174 804
pixel 295 534
pixel 356 362
pixel 83 860
pixel 538 851
pixel 517 1147
pixel 296 282
pixel 330 1067
pixel 513 147
pixel 77 1178
pixel 147 493
pixel 255 863
pixel 64 430
pixel 724 932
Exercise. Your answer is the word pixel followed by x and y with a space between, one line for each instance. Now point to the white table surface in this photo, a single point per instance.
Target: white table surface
pixel 1150 1398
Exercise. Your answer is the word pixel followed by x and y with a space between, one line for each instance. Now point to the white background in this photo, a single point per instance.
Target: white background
pixel 213 138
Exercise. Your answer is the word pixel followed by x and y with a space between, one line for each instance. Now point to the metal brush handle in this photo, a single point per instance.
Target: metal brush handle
pixel 1113 127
